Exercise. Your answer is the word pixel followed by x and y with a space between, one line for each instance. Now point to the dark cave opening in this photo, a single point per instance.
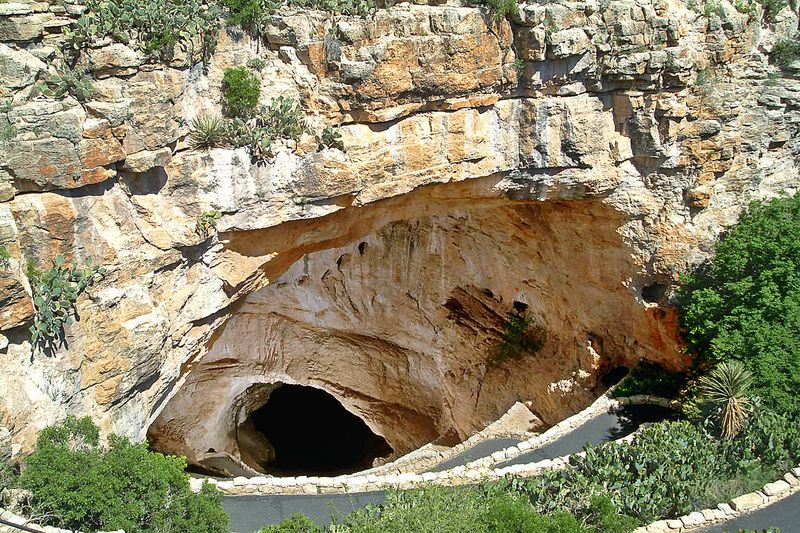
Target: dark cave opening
pixel 313 434
pixel 654 292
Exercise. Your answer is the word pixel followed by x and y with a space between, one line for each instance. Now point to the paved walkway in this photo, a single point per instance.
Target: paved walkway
pixel 603 428
pixel 784 514
pixel 248 513
pixel 482 449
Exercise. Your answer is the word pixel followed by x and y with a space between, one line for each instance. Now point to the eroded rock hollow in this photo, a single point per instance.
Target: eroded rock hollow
pixel 402 325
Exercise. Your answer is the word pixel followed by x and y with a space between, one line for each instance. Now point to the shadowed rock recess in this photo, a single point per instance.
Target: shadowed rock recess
pixel 560 170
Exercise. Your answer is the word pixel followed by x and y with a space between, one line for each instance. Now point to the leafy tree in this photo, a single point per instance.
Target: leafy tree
pixel 83 485
pixel 745 304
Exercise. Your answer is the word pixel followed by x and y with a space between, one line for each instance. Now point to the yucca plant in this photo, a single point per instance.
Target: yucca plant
pixel 207 132
pixel 727 387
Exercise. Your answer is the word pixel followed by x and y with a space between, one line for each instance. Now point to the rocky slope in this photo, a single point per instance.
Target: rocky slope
pixel 570 164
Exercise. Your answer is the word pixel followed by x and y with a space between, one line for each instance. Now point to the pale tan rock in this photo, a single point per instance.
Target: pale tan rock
pixel 575 183
pixel 746 502
pixel 145 160
pixel 24 28
pixel 776 488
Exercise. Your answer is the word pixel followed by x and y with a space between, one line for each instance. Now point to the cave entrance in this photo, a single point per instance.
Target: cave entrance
pixel 313 434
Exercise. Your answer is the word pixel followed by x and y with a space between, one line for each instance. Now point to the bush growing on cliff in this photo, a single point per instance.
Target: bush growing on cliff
pixel 745 304
pixel 206 132
pixel 786 52
pixel 282 119
pixel 241 90
pixel 79 484
pixel 501 8
pixel 521 337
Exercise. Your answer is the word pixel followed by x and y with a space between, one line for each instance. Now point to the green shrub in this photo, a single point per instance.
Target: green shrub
pixel 297 523
pixel 744 304
pixel 254 15
pixel 79 484
pixel 251 15
pixel 651 378
pixel 361 8
pixel 55 292
pixel 488 508
pixel 502 8
pixel 241 90
pixel 521 337
pixel 786 52
pixel 154 26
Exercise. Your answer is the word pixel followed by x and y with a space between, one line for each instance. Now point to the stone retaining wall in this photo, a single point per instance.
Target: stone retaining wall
pixel 769 494
pixel 472 472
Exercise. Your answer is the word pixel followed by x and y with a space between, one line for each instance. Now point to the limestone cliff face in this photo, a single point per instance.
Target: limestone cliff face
pixel 571 163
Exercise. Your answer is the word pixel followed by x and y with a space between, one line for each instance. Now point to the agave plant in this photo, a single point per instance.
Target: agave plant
pixel 727 386
pixel 207 132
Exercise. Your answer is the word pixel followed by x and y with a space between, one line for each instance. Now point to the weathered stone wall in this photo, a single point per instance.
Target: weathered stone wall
pixel 599 147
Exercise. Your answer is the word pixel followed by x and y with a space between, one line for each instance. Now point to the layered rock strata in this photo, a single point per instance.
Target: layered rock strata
pixel 573 162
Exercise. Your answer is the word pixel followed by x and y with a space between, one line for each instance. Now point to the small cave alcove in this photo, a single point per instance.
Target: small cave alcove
pixel 311 433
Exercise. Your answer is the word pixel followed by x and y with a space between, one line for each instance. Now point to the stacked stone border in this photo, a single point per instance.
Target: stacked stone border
pixel 472 472
pixel 771 493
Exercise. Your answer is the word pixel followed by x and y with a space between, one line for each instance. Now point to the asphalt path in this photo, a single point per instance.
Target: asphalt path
pixel 482 449
pixel 603 428
pixel 248 513
pixel 784 514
